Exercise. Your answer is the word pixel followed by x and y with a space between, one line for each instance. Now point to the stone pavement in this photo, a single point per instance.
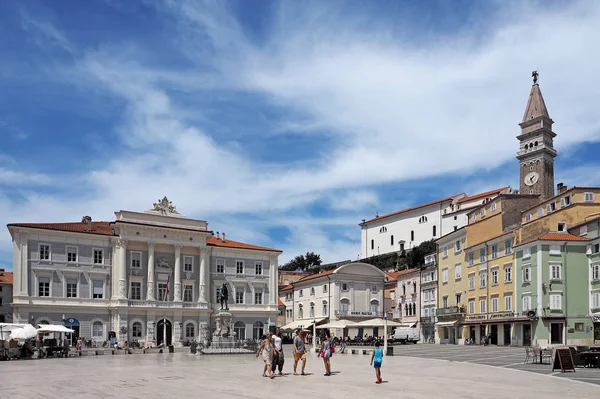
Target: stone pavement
pixel 182 375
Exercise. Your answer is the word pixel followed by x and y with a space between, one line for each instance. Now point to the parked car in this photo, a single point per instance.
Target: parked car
pixel 404 334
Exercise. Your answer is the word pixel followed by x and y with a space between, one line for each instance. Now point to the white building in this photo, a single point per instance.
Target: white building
pixel 129 275
pixel 402 230
pixel 353 291
pixel 429 294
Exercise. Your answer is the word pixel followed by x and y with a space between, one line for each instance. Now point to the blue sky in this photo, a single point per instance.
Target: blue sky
pixel 282 123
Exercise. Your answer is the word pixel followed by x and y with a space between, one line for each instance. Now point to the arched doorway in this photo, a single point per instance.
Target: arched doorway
pixel 74 325
pixel 160 332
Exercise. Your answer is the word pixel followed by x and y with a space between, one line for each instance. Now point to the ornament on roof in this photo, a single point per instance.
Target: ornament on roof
pixel 165 207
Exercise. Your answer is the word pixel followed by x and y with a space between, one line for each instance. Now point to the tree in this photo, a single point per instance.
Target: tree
pixel 416 256
pixel 309 262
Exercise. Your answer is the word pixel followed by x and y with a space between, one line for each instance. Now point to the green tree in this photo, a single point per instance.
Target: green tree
pixel 309 263
pixel 416 256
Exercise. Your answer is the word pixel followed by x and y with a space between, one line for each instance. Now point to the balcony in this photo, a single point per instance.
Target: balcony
pixel 451 310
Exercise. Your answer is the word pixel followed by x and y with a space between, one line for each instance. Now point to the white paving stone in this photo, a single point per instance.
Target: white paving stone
pixel 182 375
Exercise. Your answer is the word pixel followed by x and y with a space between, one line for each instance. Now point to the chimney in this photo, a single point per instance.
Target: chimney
pixel 88 220
pixel 223 236
pixel 560 188
pixel 376 214
pixel 218 235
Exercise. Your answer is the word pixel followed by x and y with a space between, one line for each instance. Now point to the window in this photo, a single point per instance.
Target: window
pixel 325 289
pixel 220 266
pixel 595 248
pixel 583 230
pixel 526 253
pixel 565 201
pixel 412 235
pixel 482 255
pixel 239 266
pixel 71 254
pixel 239 297
pixel 508 246
pixel 551 207
pixel 494 304
pixel 375 307
pixel 423 219
pixel 136 329
pixel 44 252
pixel 526 303
pixel 473 217
pixel 580 327
pixel 458 298
pixel 162 291
pixel 258 268
pixel 188 293
pixel 240 330
pixel 482 212
pixel 98 256
pixel 508 273
pixel 555 301
pixel 494 251
pixel 312 291
pixel 528 217
pixel 445 253
pixel 136 290
pixel 555 271
pixel 445 275
pixel 258 297
pixel 392 240
pixel 561 226
pixel 300 293
pixel 190 331
pixel 595 300
pixel 373 289
pixel 472 282
pixel 540 212
pixel 97 329
pixel 457 246
pixel 44 286
pixel 136 259
pixel 493 206
pixel 457 272
pixel 372 244
pixel 471 258
pixel 344 306
pixel 527 273
pixel 324 308
pixel 508 303
pixel 383 229
pixel 482 306
pixel 435 230
pixel 483 279
pixel 344 287
pixel 596 271
pixel 588 197
pixel 71 288
pixel 98 289
pixel 471 306
pixel 445 301
pixel 495 277
pixel 188 264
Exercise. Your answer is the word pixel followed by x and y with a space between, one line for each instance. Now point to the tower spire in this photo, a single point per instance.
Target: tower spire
pixel 536 106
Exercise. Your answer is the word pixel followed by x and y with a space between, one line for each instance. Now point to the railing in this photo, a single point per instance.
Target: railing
pixel 450 310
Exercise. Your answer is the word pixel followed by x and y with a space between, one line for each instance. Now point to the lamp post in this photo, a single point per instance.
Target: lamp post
pixel 385 335
pixel 314 337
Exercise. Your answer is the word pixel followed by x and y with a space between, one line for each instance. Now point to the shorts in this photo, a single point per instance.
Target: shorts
pixel 377 365
pixel 299 356
pixel 326 355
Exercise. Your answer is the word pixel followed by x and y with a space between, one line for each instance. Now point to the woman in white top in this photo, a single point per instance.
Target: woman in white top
pixel 278 353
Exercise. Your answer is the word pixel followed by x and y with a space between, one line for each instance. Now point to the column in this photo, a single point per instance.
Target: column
pixel 122 253
pixel 177 279
pixel 150 287
pixel 202 274
pixel 24 265
pixel 18 267
pixel 273 280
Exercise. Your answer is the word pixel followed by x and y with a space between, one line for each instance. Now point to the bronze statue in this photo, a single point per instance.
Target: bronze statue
pixel 534 75
pixel 223 296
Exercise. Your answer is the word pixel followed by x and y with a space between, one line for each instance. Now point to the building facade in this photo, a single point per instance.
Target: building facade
pixel 6 296
pixel 429 297
pixel 142 276
pixel 408 283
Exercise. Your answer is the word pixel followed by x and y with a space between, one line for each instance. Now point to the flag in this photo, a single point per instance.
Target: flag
pixel 167 288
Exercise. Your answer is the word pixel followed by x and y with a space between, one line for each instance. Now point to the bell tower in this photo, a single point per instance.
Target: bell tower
pixel 536 146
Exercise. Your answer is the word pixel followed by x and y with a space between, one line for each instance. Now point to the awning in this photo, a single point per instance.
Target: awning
pixel 339 324
pixel 379 323
pixel 301 324
pixel 54 328
pixel 446 323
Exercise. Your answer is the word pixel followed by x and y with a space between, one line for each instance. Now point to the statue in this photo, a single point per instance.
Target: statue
pixel 534 75
pixel 163 263
pixel 223 296
pixel 164 206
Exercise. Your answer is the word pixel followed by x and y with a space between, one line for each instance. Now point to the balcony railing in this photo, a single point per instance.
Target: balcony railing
pixel 450 310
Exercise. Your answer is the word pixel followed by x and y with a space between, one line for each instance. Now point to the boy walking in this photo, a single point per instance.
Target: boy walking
pixel 299 351
pixel 376 360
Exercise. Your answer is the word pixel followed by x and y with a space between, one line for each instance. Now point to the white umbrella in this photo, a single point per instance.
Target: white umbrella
pixel 28 331
pixel 379 323
pixel 339 324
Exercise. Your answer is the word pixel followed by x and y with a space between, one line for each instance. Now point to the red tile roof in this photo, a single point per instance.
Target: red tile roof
pixel 286 287
pixel 554 236
pixel 6 277
pixel 395 275
pixel 104 228
pixel 482 195
pixel 316 275
pixel 411 209
pixel 280 303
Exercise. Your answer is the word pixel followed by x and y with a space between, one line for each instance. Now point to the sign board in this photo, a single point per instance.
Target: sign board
pixel 596 317
pixel 563 360
pixel 71 322
pixel 362 314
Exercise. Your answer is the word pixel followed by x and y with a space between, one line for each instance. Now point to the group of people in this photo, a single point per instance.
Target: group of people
pixel 271 351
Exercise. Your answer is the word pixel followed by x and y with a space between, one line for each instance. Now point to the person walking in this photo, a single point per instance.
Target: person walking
pixel 376 360
pixel 265 350
pixel 326 352
pixel 278 358
pixel 299 351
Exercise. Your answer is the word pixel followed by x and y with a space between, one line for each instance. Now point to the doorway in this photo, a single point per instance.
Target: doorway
pixel 376 332
pixel 160 332
pixel 556 333
pixel 472 334
pixel 507 335
pixel 526 334
pixel 482 334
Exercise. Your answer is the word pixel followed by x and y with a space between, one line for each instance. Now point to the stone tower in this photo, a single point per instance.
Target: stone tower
pixel 536 150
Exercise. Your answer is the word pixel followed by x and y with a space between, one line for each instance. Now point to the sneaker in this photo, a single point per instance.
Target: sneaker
pixel 378 382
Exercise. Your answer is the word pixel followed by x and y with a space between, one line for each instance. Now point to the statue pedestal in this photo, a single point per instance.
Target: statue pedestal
pixel 223 337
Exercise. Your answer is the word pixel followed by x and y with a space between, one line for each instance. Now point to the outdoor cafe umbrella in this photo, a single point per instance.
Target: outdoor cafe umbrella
pixel 28 331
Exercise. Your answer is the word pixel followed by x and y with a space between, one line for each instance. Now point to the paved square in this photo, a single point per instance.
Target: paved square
pixel 181 375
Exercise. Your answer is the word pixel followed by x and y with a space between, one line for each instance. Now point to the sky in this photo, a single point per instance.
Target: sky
pixel 283 123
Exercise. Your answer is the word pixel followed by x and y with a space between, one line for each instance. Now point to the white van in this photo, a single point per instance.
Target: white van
pixel 404 334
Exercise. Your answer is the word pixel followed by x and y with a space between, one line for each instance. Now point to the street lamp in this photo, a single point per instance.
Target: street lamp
pixel 314 337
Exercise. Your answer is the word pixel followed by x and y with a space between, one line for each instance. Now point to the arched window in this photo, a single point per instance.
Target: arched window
pixel 312 309
pixel 403 289
pixel 97 329
pixel 412 235
pixel 136 330
pixel 344 306
pixel 240 330
pixel 414 286
pixel 190 331
pixel 43 321
pixel 414 309
pixel 324 308
pixel 383 229
pixel 535 144
pixel 434 230
pixel 422 219
pixel 372 244
pixel 257 330
pixel 375 306
pixel 300 312
pixel 392 240
pixel 406 309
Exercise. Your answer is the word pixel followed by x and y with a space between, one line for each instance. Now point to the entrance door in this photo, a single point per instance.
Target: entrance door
pixel 556 333
pixel 526 334
pixel 74 335
pixel 494 334
pixel 481 333
pixel 472 333
pixel 507 334
pixel 160 332
pixel 376 332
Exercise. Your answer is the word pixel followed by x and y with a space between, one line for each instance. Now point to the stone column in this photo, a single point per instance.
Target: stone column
pixel 18 267
pixel 272 279
pixel 24 265
pixel 177 278
pixel 122 251
pixel 150 288
pixel 202 276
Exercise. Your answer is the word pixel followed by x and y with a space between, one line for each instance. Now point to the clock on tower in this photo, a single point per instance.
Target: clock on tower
pixel 536 151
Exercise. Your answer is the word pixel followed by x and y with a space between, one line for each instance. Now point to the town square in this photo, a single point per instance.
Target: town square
pixel 299 198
